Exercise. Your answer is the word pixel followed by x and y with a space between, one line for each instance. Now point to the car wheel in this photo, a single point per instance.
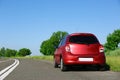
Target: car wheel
pixel 101 68
pixel 62 66
pixel 55 65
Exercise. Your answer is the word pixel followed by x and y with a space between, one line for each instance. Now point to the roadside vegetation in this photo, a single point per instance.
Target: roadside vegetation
pixel 6 52
pixel 112 50
pixel 48 46
pixel 113 59
pixel 49 58
pixel 113 62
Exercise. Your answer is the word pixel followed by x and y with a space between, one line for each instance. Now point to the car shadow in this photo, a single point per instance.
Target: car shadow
pixel 88 68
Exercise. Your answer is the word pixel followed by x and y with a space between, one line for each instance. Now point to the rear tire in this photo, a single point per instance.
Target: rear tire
pixel 101 68
pixel 62 66
pixel 55 65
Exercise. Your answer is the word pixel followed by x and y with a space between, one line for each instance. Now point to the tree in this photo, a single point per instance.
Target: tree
pixel 2 52
pixel 48 46
pixel 24 52
pixel 10 52
pixel 45 47
pixel 113 40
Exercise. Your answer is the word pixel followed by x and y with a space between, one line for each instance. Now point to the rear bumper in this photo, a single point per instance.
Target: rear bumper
pixel 74 60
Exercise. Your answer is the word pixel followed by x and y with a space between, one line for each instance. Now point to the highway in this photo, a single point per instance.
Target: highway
pixel 29 69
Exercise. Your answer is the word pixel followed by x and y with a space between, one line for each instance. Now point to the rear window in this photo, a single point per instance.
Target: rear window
pixel 83 39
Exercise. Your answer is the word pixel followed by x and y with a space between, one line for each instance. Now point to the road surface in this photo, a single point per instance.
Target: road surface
pixel 30 69
pixel 5 62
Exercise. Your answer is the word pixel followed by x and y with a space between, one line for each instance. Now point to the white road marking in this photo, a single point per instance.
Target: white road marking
pixel 5 72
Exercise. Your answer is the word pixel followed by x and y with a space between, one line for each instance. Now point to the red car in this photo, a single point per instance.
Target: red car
pixel 79 49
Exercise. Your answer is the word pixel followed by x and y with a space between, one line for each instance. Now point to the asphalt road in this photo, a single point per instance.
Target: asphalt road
pixel 29 69
pixel 5 62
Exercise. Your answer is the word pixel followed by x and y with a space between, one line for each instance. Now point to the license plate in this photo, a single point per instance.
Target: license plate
pixel 86 59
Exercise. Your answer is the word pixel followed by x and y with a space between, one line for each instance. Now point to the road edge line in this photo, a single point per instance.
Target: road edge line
pixel 9 69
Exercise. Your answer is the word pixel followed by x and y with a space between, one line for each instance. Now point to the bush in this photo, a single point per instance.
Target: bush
pixel 24 52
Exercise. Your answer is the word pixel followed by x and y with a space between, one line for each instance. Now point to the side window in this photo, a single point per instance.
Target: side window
pixel 62 42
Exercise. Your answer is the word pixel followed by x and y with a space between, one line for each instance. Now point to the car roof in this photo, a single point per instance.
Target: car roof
pixel 84 34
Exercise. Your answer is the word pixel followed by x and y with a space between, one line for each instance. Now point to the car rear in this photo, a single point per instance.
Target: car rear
pixel 83 49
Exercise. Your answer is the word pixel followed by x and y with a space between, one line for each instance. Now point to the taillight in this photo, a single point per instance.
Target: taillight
pixel 67 48
pixel 101 49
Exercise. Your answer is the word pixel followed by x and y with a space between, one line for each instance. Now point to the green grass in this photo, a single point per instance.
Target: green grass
pixel 43 57
pixel 50 58
pixel 113 62
pixel 113 53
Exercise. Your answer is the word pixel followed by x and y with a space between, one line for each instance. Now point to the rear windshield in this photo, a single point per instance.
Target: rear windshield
pixel 83 39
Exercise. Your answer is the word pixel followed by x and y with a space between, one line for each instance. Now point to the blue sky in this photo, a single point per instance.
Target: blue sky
pixel 26 23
